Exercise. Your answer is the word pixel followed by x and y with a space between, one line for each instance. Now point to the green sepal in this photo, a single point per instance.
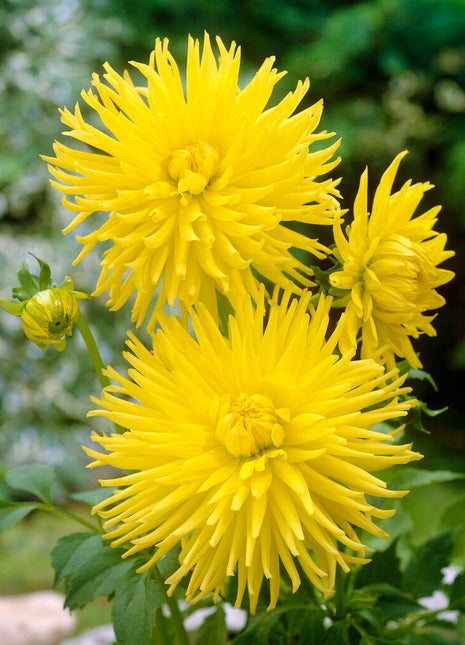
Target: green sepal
pixel 67 285
pixel 421 375
pixel 29 283
pixel 13 308
pixel 45 275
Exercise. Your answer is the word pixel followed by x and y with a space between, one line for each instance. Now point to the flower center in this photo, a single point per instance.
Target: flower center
pixel 192 167
pixel 249 425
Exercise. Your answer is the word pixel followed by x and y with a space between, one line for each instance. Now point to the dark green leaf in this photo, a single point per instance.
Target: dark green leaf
pixel 373 619
pixel 457 593
pixel 384 567
pixel 461 628
pixel 307 625
pixel 336 634
pixel 97 576
pixel 137 598
pixel 393 602
pixel 73 550
pixel 423 574
pixel 169 562
pixel 411 477
pixel 259 628
pixel 213 630
pixel 33 478
pixel 11 514
pixel 454 514
pixel 375 640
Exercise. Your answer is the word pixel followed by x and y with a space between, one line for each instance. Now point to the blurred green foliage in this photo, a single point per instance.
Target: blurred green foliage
pixel 391 72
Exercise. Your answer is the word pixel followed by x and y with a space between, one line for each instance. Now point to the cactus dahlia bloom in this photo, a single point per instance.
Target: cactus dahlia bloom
pixel 254 452
pixel 199 182
pixel 390 271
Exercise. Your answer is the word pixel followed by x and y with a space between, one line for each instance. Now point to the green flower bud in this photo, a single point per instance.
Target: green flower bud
pixel 49 317
pixel 48 312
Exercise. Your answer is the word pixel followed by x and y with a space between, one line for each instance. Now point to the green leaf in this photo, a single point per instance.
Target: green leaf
pixel 374 640
pixel 336 634
pixel 461 628
pixel 169 562
pixel 423 573
pixel 457 593
pixel 97 576
pixel 213 630
pixel 134 607
pixel 459 547
pixel 33 478
pixel 384 567
pixel 72 550
pixel 393 602
pixel 454 514
pixel 259 628
pixel 424 505
pixel 93 497
pixel 11 514
pixel 411 477
pixel 307 625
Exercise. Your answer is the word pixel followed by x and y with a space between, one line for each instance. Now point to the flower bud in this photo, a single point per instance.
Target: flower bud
pixel 49 316
pixel 48 312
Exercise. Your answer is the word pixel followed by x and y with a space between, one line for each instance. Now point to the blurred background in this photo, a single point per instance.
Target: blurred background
pixel 392 75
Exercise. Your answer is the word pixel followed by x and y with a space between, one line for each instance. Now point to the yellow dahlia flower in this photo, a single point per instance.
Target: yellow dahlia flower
pixel 390 269
pixel 199 180
pixel 253 451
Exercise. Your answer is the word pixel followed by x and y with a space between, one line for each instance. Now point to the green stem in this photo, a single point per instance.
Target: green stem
pixel 70 516
pixel 160 635
pixel 339 600
pixel 93 350
pixel 181 635
pixel 95 357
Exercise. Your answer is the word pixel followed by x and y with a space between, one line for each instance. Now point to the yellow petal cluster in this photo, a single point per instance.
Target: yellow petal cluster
pixel 390 271
pixel 199 179
pixel 254 451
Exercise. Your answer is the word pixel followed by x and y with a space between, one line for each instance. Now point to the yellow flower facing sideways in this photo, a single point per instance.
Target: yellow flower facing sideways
pixel 198 180
pixel 254 452
pixel 390 271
